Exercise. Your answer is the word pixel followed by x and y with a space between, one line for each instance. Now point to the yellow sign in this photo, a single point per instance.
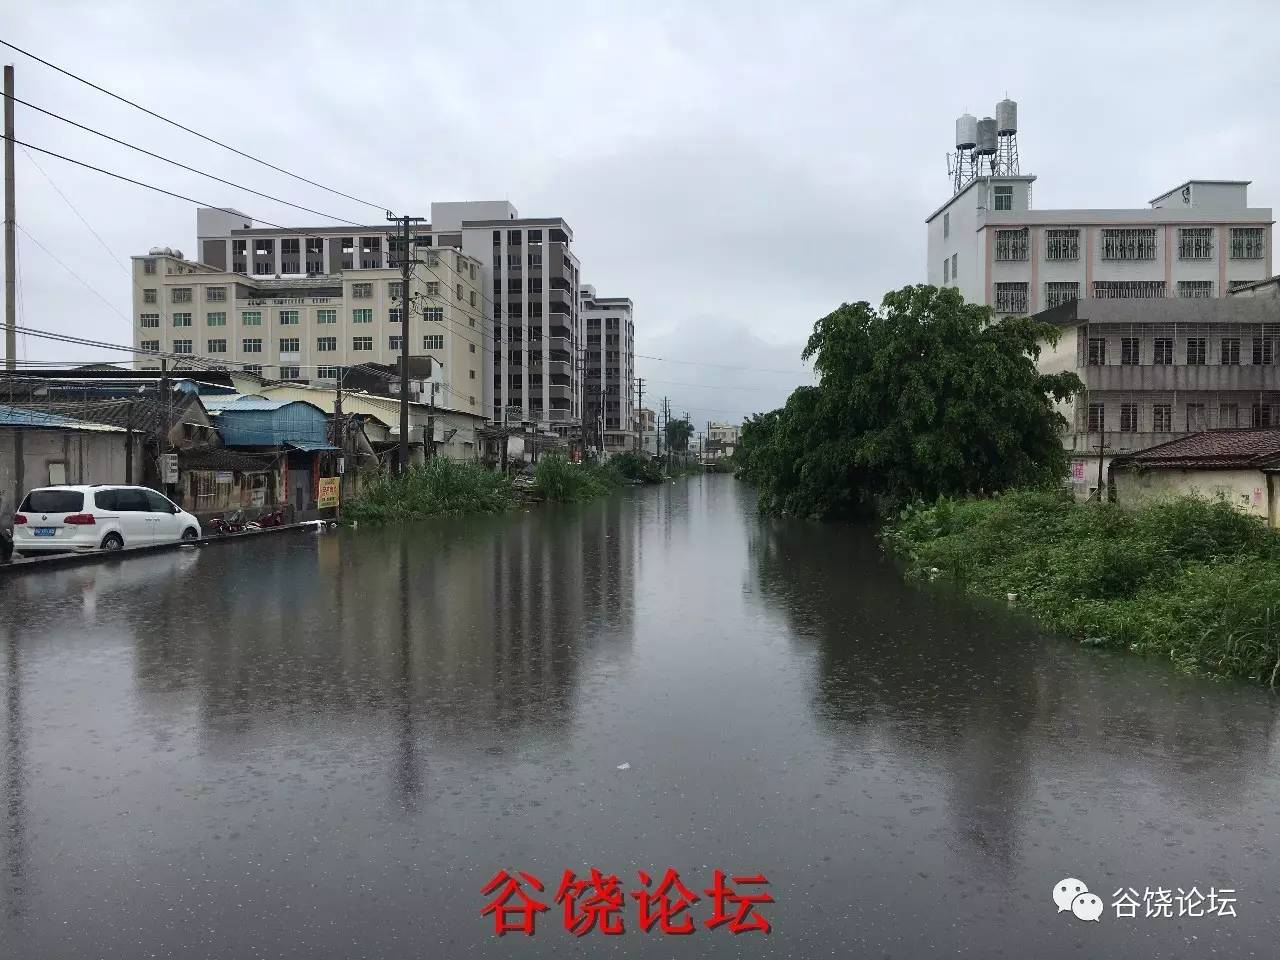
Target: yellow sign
pixel 327 493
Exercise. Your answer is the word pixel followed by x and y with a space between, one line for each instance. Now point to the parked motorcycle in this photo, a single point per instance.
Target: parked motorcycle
pixel 232 523
pixel 272 518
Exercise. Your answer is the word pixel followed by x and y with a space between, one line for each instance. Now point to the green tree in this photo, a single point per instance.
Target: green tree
pixel 678 433
pixel 923 397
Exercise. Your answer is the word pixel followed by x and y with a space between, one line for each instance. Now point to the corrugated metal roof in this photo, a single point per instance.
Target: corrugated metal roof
pixel 241 402
pixel 1212 449
pixel 309 446
pixel 19 417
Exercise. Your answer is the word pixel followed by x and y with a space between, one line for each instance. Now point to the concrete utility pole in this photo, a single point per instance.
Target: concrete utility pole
pixel 406 265
pixel 10 221
pixel 639 414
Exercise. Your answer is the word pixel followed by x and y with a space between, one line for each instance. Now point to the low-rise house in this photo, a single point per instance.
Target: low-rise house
pixel 1241 467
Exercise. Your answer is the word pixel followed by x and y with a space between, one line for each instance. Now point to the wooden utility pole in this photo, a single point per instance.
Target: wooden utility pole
pixel 10 222
pixel 406 270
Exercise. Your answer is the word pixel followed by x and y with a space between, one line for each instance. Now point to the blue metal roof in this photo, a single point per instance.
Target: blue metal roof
pixel 20 417
pixel 309 446
pixel 247 421
pixel 238 401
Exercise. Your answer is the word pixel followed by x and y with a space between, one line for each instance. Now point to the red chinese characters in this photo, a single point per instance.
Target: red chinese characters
pixel 596 903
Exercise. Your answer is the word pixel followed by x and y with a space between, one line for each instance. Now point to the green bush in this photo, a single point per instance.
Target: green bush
pixel 633 466
pixel 563 481
pixel 1192 580
pixel 438 488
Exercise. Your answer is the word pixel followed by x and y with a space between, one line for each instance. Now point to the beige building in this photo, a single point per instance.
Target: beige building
pixel 265 316
pixel 1237 466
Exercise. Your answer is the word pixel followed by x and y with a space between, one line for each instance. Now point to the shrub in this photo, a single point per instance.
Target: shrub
pixel 633 466
pixel 438 488
pixel 563 481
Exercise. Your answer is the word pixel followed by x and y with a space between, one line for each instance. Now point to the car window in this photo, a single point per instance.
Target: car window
pixel 131 501
pixel 105 499
pixel 158 503
pixel 53 501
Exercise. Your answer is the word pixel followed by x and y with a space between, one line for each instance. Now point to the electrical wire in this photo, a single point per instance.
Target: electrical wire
pixel 85 283
pixel 186 129
pixel 183 166
pixel 65 199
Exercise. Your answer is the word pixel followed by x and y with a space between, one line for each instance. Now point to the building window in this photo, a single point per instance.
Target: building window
pixel 362 316
pixel 289 345
pixel 1228 416
pixel 326 373
pixel 1196 351
pixel 251 318
pixel 1097 352
pixel 1195 243
pixel 1011 244
pixel 361 291
pixel 472 296
pixel 946 270
pixel 1246 243
pixel 215 294
pixel 182 319
pixel 181 294
pixel 1129 351
pixel 433 341
pixel 394 342
pixel 1011 298
pixel 288 318
pixel 1262 351
pixel 459 291
pixel 251 345
pixel 148 266
pixel 182 346
pixel 290 373
pixel 1129 243
pixel 255 368
pixel 1229 354
pixel 1062 244
pixel 1004 197
pixel 535 260
pixel 1128 289
pixel 1195 289
pixel 433 260
pixel 326 344
pixel 1163 354
pixel 149 345
pixel 216 346
pixel 433 288
pixel 1162 417
pixel 946 225
pixel 1261 415
pixel 1128 418
pixel 434 314
pixel 955 272
pixel 471 347
pixel 1195 417
pixel 1097 417
pixel 216 319
pixel 149 295
pixel 362 343
pixel 395 289
pixel 149 320
pixel 1058 292
pixel 326 316
pixel 1237 284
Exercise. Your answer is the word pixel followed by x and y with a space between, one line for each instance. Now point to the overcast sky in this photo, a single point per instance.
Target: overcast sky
pixel 737 170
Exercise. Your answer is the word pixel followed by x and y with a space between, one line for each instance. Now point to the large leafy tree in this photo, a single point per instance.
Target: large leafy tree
pixel 678 434
pixel 925 396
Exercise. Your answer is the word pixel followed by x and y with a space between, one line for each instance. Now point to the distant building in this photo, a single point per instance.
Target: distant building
pixel 609 358
pixel 1198 240
pixel 722 440
pixel 1156 370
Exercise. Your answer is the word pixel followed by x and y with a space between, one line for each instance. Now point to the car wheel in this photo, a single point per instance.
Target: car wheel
pixel 189 534
pixel 112 542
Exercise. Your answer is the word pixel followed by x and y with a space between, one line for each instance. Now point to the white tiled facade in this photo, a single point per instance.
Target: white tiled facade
pixel 1200 239
pixel 609 365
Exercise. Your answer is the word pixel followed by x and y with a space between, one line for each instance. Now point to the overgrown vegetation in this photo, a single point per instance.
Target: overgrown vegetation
pixel 1190 580
pixel 438 488
pixel 631 466
pixel 563 481
pixel 925 396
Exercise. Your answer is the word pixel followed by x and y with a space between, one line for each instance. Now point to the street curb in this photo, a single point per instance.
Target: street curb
pixel 57 561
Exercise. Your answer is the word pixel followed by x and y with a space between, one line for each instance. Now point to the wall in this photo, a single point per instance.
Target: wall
pixel 1246 490
pixel 90 457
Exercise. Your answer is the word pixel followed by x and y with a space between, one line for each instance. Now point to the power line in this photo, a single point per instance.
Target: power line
pixel 147 186
pixel 183 166
pixel 67 201
pixel 85 283
pixel 195 133
pixel 722 366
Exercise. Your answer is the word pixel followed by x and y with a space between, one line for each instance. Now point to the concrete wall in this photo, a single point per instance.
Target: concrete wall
pixel 89 456
pixel 1246 490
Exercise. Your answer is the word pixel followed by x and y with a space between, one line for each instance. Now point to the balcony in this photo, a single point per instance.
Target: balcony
pixel 558 391
pixel 559 415
pixel 554 368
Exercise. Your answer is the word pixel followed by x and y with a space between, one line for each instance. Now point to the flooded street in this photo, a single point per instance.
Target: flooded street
pixel 325 746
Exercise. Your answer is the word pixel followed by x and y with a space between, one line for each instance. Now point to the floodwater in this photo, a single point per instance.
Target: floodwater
pixel 325 746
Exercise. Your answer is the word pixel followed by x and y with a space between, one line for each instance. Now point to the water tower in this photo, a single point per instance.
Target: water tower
pixel 985 150
pixel 1006 161
pixel 962 167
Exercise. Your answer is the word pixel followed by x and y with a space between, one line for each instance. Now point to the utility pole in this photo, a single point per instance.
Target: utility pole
pixel 340 441
pixel 639 414
pixel 166 396
pixel 1102 446
pixel 10 220
pixel 431 424
pixel 406 265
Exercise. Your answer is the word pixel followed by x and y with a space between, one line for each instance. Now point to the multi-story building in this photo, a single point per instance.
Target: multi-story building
pixel 518 305
pixel 722 439
pixel 1155 370
pixel 1198 240
pixel 609 366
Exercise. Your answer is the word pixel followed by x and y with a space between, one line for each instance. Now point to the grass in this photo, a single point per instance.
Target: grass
pixel 1189 580
pixel 562 481
pixel 438 488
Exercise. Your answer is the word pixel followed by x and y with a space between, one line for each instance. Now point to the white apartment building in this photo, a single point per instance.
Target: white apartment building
pixel 307 328
pixel 523 317
pixel 609 366
pixel 1200 239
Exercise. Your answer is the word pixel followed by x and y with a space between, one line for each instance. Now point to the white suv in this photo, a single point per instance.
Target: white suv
pixel 97 517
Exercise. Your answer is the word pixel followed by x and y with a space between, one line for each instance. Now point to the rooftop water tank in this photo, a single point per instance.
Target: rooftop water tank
pixel 1006 117
pixel 986 137
pixel 966 131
